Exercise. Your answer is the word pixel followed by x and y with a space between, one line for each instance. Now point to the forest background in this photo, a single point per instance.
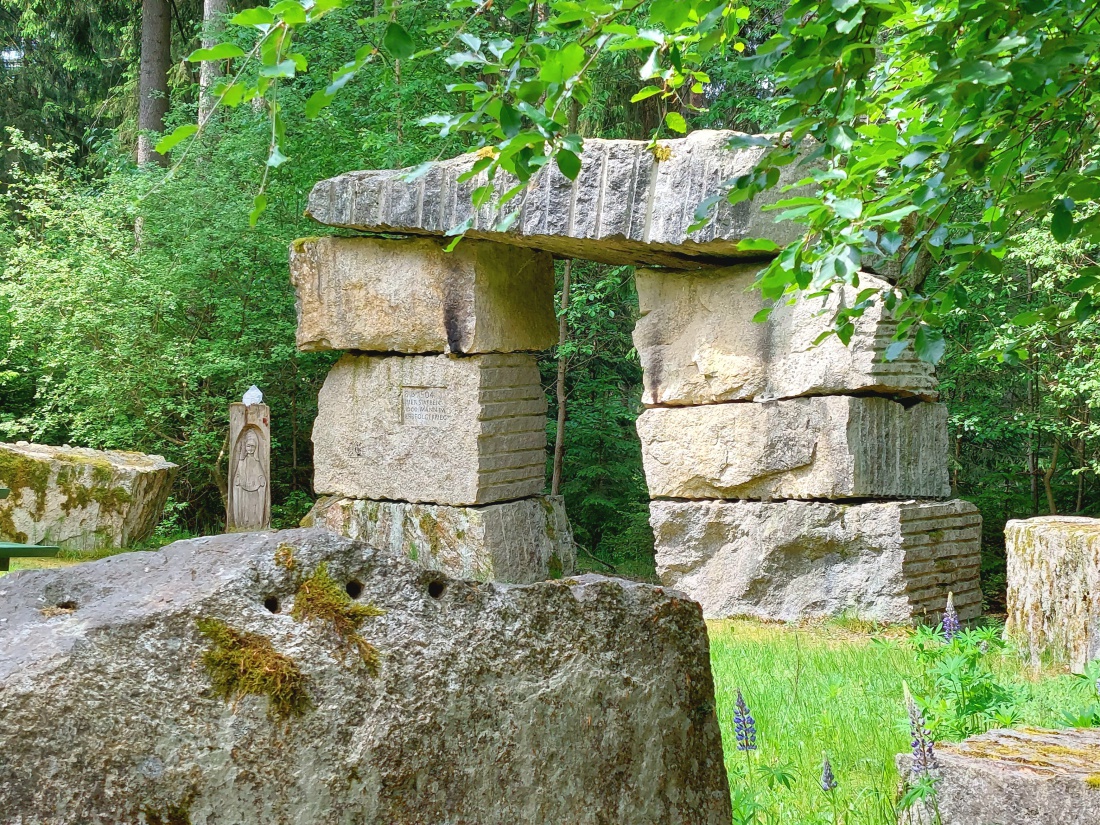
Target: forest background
pixel 111 343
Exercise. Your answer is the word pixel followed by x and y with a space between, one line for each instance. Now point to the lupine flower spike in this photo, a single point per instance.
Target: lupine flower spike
pixel 744 726
pixel 950 618
pixel 924 758
pixel 828 781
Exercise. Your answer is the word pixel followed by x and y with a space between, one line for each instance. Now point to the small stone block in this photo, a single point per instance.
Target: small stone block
pixel 804 448
pixel 1014 777
pixel 519 542
pixel 410 296
pixel 888 562
pixel 698 343
pixel 434 428
pixel 1054 587
pixel 81 499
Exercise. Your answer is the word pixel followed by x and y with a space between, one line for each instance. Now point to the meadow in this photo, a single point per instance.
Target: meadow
pixel 830 689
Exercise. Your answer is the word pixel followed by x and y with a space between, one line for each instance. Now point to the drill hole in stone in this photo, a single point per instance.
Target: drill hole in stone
pixel 436 588
pixel 354 589
pixel 66 605
pixel 272 604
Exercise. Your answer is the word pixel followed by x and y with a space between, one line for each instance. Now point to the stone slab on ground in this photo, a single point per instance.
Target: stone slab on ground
pixel 888 562
pixel 1015 777
pixel 81 499
pixel 522 541
pixel 585 701
pixel 409 295
pixel 625 207
pixel 698 343
pixel 434 428
pixel 804 448
pixel 1054 587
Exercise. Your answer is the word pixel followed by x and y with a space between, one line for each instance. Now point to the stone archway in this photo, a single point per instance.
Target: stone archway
pixel 787 480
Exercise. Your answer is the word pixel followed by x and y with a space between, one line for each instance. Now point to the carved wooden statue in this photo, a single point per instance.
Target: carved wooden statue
pixel 248 505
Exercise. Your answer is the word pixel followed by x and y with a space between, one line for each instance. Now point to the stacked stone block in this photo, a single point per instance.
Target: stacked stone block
pixel 791 480
pixel 430 436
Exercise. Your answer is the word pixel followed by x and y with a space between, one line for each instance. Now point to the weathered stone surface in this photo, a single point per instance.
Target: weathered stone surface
pixel 431 428
pixel 805 448
pixel 792 560
pixel 1054 587
pixel 81 499
pixel 586 701
pixel 408 295
pixel 698 343
pixel 522 541
pixel 1015 777
pixel 625 207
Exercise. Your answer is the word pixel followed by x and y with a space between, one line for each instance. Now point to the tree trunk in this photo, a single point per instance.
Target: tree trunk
pixel 210 71
pixel 1049 474
pixel 563 337
pixel 156 59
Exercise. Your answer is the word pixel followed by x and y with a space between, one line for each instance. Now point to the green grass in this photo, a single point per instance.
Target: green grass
pixel 828 689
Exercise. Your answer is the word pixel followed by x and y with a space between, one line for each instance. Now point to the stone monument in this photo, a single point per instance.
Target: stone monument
pixel 430 437
pixel 248 503
pixel 789 480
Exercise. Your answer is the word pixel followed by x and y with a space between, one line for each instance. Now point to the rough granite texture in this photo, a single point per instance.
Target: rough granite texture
pixel 432 428
pixel 625 207
pixel 522 541
pixel 1054 587
pixel 698 343
pixel 81 499
pixel 1015 777
pixel 585 701
pixel 409 295
pixel 804 448
pixel 885 561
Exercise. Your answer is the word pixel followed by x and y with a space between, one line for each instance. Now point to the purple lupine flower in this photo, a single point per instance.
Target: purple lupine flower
pixel 924 757
pixel 828 781
pixel 950 618
pixel 744 726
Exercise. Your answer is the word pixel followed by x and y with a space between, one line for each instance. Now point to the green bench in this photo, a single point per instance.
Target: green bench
pixel 10 550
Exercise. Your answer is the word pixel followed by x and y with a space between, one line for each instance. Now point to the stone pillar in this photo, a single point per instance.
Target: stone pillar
pixel 1054 588
pixel 791 480
pixel 430 436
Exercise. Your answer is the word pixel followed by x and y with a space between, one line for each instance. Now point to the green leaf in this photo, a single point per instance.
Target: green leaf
pixel 259 206
pixel 896 348
pixel 291 11
pixel 170 141
pixel 318 101
pixel 568 163
pixel 647 92
pixel 276 158
pixel 928 343
pixel 1061 220
pixel 561 65
pixel 757 245
pixel 762 315
pixel 675 121
pixel 284 68
pixel 258 16
pixel 398 42
pixel 985 73
pixel 510 121
pixel 850 208
pixel 222 51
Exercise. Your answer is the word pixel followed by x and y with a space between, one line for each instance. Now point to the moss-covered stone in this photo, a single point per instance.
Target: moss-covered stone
pixel 19 474
pixel 242 664
pixel 321 600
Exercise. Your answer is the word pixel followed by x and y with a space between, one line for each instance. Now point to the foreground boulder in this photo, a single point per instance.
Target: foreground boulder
pixel 302 677
pixel 1054 587
pixel 81 499
pixel 1015 777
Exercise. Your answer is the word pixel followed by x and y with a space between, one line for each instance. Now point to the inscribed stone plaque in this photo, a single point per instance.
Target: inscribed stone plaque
pixel 436 428
pixel 424 406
